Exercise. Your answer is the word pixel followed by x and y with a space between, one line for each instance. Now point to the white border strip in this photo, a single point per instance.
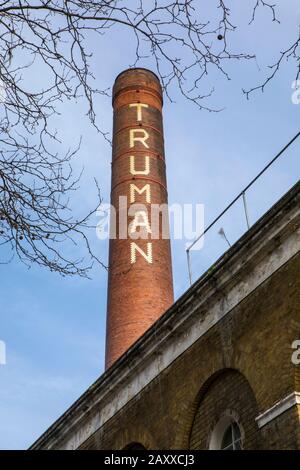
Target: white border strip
pixel 277 409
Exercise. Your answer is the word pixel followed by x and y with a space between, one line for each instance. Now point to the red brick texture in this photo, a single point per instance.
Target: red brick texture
pixel 139 290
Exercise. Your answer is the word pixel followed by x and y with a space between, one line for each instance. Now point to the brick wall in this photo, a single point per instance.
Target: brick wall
pixel 282 432
pixel 228 394
pixel 254 340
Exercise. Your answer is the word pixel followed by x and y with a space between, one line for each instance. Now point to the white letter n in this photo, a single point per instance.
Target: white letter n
pixel 134 248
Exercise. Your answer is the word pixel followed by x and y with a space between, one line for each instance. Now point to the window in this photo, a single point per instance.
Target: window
pixel 227 434
pixel 134 446
pixel 232 438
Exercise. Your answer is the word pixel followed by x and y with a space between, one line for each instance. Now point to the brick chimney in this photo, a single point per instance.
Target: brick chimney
pixel 140 286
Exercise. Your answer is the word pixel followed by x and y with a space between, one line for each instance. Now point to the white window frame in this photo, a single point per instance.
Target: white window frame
pixel 216 438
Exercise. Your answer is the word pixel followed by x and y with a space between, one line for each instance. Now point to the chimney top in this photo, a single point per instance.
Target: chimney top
pixel 135 79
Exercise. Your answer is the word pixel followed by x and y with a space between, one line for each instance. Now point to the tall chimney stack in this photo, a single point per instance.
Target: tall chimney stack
pixel 140 286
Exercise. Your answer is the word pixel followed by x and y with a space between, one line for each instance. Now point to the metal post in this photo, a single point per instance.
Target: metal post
pixel 246 211
pixel 189 265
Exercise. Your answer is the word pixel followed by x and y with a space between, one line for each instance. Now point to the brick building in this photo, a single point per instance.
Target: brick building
pixel 215 370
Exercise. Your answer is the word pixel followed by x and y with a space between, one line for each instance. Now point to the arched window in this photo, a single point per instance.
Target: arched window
pixel 232 439
pixel 227 435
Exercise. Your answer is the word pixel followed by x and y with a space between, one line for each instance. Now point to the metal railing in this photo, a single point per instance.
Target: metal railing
pixel 242 195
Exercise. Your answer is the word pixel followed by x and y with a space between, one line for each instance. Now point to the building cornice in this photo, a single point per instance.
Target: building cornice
pixel 278 409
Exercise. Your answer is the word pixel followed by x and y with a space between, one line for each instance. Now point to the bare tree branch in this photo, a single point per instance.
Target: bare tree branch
pixel 36 182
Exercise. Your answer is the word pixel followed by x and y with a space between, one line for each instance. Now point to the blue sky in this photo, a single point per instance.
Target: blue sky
pixel 54 327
